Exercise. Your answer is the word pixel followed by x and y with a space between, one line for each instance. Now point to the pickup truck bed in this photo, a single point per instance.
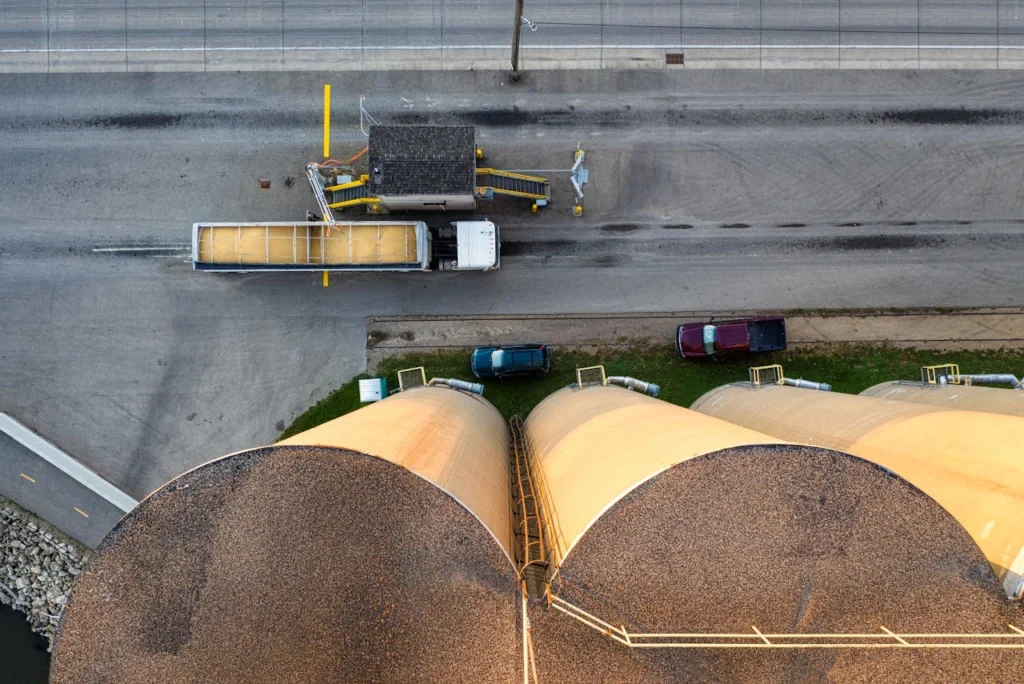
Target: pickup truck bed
pixel 767 335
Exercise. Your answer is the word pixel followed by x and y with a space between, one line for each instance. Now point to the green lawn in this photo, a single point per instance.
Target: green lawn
pixel 847 368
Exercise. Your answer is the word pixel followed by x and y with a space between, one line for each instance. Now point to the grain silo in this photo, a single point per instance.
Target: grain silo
pixel 960 396
pixel 375 547
pixel 968 461
pixel 670 527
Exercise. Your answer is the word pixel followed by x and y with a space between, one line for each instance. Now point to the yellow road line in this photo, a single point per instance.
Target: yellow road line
pixel 84 514
pixel 27 478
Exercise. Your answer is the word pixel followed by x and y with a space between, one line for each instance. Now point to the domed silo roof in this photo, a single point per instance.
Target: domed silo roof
pixel 373 548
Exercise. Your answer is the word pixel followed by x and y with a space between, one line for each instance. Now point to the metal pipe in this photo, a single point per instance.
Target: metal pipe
pixel 993 379
pixel 474 387
pixel 807 384
pixel 648 388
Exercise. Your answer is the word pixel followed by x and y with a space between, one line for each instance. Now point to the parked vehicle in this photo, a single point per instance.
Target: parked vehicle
pixel 502 361
pixel 754 335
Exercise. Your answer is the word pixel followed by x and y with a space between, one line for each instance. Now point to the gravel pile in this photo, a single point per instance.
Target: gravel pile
pixel 39 566
pixel 787 539
pixel 293 564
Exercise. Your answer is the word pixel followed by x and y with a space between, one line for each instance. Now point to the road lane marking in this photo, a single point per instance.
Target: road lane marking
pixel 66 463
pixel 84 514
pixel 526 48
pixel 27 478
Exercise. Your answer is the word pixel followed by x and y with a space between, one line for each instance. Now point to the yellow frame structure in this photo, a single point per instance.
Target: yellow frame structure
pixel 931 374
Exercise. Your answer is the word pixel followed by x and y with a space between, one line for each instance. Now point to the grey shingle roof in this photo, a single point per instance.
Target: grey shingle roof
pixel 422 160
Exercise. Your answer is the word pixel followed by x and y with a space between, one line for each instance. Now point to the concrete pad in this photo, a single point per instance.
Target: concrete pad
pixel 475 59
pixel 243 60
pixel 166 60
pixel 960 58
pixel 24 63
pixel 633 58
pixel 553 58
pixel 878 58
pixel 722 58
pixel 87 62
pixel 323 60
pixel 386 59
pixel 800 58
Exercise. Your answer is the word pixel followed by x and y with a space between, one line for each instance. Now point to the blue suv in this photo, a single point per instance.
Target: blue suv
pixel 520 359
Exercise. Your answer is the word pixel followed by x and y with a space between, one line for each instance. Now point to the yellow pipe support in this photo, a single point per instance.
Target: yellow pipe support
pixel 326 278
pixel 968 461
pixel 1009 402
pixel 595 445
pixel 346 186
pixel 327 120
pixel 511 193
pixel 454 439
pixel 511 174
pixel 355 202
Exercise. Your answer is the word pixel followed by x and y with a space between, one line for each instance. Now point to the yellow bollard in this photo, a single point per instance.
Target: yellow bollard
pixel 326 278
pixel 534 208
pixel 577 210
pixel 327 120
pixel 479 153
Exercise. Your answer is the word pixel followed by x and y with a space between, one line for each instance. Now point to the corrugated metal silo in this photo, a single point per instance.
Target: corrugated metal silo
pixel 667 521
pixel 970 462
pixel 372 548
pixel 1009 402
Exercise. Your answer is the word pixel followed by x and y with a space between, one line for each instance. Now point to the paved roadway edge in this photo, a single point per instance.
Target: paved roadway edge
pixel 496 57
pixel 66 463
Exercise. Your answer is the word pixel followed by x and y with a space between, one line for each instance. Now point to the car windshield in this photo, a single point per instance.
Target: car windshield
pixel 497 358
pixel 709 339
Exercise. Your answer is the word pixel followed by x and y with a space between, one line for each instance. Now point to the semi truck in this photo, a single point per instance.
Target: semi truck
pixel 338 246
pixel 760 334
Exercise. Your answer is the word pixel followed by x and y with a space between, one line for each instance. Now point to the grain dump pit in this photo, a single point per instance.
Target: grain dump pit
pixel 668 522
pixel 305 562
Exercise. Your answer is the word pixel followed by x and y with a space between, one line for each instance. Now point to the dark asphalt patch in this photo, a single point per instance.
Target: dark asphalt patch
pixel 619 227
pixel 874 242
pixel 949 116
pixel 791 225
pixel 535 247
pixel 678 226
pixel 735 225
pixel 610 260
pixel 136 121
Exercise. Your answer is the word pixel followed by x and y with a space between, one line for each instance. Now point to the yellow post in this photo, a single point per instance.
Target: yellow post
pixel 327 125
pixel 327 278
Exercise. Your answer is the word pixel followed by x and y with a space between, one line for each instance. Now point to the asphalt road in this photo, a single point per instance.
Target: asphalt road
pixel 219 24
pixel 710 191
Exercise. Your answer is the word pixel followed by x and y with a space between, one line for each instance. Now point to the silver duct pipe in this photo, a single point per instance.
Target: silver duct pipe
pixel 474 387
pixel 993 379
pixel 807 384
pixel 648 388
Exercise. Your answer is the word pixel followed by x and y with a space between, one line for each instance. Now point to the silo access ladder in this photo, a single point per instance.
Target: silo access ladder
pixel 491 182
pixel 527 516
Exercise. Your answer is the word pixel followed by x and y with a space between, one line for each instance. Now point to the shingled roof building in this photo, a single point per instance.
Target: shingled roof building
pixel 423 167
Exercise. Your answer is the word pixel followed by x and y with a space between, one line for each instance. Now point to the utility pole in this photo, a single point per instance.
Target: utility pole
pixel 515 39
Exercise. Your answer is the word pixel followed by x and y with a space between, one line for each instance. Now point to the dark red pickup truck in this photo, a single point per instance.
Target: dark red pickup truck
pixel 761 334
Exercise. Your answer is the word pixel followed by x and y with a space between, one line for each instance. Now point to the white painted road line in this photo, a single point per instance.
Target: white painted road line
pixel 525 48
pixel 66 463
pixel 139 249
